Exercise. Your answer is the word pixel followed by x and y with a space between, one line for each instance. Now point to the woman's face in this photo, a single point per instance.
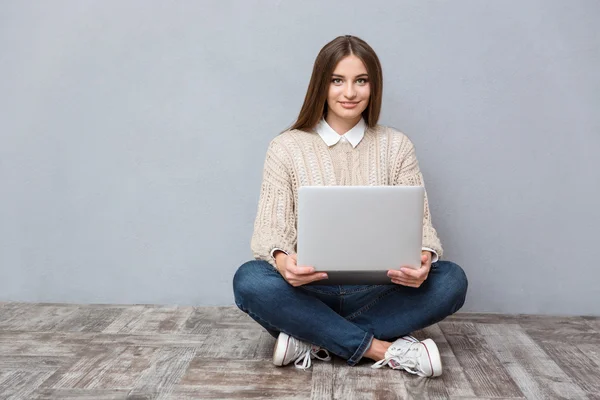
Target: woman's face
pixel 349 90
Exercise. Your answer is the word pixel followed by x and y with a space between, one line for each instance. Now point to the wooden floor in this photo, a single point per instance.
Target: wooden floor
pixel 101 352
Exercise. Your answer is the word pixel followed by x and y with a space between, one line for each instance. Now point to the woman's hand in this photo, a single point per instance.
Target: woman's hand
pixel 412 277
pixel 296 275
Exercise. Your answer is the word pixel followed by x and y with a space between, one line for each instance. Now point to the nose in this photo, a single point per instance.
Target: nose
pixel 350 93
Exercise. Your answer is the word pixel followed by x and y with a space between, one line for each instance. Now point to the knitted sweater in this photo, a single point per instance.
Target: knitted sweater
pixel 297 158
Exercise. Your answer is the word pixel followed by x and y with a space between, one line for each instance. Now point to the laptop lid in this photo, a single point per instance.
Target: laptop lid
pixel 360 228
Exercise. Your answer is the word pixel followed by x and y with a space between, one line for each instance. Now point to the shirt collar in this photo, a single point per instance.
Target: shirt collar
pixel 331 137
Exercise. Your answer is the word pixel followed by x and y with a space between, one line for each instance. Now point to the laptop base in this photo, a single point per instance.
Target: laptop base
pixel 355 278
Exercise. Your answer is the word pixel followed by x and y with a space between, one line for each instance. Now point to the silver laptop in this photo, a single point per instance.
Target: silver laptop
pixel 357 233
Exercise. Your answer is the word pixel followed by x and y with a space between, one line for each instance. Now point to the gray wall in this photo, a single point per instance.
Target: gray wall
pixel 132 137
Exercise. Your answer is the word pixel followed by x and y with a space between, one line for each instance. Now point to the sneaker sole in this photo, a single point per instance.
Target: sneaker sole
pixel 434 357
pixel 279 351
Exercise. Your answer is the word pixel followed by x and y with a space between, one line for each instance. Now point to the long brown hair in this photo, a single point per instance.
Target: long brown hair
pixel 315 101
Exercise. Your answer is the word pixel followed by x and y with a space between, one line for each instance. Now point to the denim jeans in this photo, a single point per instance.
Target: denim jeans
pixel 345 319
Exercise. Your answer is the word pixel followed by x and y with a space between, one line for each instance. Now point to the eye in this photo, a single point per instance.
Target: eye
pixel 334 80
pixel 364 81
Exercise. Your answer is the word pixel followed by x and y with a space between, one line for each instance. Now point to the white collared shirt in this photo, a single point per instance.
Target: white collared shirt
pixel 354 136
pixel 331 137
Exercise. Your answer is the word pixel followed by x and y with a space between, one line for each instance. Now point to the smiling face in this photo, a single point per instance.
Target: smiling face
pixel 348 94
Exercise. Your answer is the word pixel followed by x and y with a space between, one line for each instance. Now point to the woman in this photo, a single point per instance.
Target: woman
pixel 337 141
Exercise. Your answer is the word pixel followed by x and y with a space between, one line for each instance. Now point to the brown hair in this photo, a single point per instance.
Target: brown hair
pixel 315 101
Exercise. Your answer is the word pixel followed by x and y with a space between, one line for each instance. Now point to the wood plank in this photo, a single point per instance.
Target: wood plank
pixel 18 385
pixel 233 317
pixel 424 388
pixel 201 320
pixel 89 363
pixel 11 313
pixel 323 375
pixel 88 319
pixel 483 318
pixel 593 322
pixel 127 316
pixel 559 328
pixel 33 363
pixel 361 382
pixel 536 374
pixel 264 347
pixel 204 319
pixel 158 320
pixel 575 363
pixel 121 306
pixel 485 398
pixel 152 340
pixel 125 370
pixel 241 379
pixel 591 351
pixel 486 373
pixel 33 317
pixel 453 376
pixel 168 366
pixel 231 343
pixel 43 343
pixel 79 394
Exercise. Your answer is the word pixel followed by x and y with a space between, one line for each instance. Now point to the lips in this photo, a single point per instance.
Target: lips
pixel 348 104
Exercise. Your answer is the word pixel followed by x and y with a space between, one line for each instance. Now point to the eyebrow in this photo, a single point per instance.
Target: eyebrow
pixel 342 76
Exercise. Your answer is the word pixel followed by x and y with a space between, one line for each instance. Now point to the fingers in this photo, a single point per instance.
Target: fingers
pixel 298 275
pixel 407 282
pixel 408 276
pixel 296 270
pixel 412 274
pixel 317 276
pixel 298 280
pixel 403 282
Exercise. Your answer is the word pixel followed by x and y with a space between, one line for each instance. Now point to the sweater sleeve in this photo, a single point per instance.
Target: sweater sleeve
pixel 407 172
pixel 275 223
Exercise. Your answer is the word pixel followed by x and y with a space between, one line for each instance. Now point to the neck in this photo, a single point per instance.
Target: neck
pixel 341 125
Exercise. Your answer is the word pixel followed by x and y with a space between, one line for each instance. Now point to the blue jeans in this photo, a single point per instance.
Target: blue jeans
pixel 345 319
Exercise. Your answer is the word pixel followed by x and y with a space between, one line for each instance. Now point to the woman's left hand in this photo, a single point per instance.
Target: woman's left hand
pixel 407 276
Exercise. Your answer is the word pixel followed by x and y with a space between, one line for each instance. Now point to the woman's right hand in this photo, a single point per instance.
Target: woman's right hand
pixel 296 275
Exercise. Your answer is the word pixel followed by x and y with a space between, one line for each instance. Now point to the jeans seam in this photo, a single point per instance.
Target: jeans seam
pixel 370 305
pixel 362 348
pixel 251 313
pixel 361 289
pixel 266 322
pixel 464 297
pixel 316 291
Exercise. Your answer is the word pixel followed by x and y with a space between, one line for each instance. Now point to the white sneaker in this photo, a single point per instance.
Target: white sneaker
pixel 420 358
pixel 288 349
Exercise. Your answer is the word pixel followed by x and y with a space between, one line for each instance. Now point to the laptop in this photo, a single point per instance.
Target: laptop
pixel 357 233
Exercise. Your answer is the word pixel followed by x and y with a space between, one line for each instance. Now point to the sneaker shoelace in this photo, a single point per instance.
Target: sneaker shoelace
pixel 406 357
pixel 305 352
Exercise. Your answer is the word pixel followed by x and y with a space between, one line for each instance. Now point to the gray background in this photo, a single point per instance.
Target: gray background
pixel 133 133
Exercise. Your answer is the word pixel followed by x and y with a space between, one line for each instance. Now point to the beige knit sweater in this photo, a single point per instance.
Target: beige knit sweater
pixel 297 158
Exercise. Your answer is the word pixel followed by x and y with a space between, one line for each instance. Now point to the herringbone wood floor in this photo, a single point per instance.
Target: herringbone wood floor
pixel 101 352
